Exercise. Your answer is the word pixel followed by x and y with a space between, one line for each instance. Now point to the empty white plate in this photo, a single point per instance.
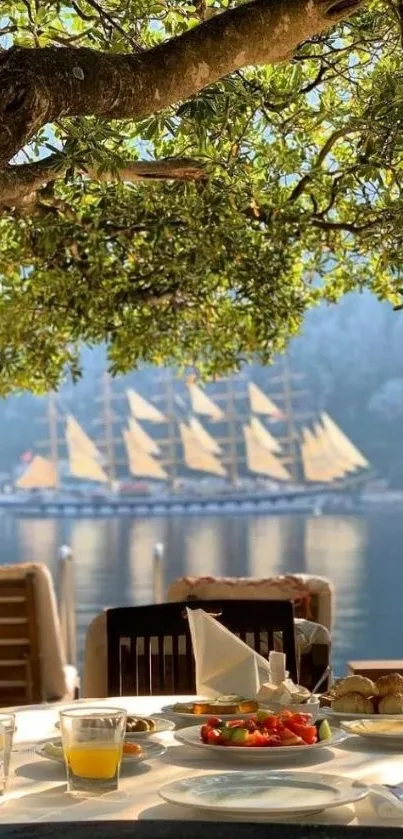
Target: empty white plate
pixel 264 793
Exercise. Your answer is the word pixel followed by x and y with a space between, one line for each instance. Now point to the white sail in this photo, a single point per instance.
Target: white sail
pixel 343 444
pixel 196 457
pixel 77 439
pixel 262 404
pixel 321 462
pixel 315 463
pixel 263 435
pixel 340 463
pixel 142 409
pixel 83 456
pixel 142 464
pixel 202 404
pixel 141 438
pixel 205 439
pixel 86 468
pixel 40 474
pixel 260 460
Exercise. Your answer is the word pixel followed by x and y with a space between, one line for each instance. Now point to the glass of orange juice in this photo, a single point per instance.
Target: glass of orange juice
pixel 92 745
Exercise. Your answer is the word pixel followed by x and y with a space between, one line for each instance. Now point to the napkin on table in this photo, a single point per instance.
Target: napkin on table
pixel 385 803
pixel 224 664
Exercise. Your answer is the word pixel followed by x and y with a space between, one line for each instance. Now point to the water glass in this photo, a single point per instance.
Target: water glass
pixel 92 745
pixel 7 727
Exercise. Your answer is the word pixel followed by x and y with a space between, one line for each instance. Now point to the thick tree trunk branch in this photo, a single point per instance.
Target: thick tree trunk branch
pixel 38 86
pixel 18 184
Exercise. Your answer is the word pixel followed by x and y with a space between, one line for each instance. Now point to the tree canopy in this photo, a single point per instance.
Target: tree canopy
pixel 184 179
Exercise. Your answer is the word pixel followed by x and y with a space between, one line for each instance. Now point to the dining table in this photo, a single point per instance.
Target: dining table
pixel 36 794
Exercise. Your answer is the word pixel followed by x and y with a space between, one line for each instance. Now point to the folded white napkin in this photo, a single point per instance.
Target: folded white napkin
pixel 225 665
pixel 385 803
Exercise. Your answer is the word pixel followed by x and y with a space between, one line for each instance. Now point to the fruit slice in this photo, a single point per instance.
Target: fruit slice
pixel 324 731
pixel 288 738
pixel 239 736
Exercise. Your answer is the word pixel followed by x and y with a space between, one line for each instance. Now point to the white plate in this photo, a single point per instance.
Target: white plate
pixel 344 715
pixel 191 737
pixel 161 725
pixel 372 730
pixel 150 752
pixel 264 793
pixel 201 718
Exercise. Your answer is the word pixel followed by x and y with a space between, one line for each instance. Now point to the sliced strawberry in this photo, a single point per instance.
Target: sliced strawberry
pixel 204 732
pixel 307 733
pixel 288 738
pixel 303 718
pixel 214 737
pixel 274 740
pixel 215 722
pixel 270 723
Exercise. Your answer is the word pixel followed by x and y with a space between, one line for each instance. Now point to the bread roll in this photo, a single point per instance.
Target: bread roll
pixel 391 704
pixel 390 685
pixel 353 703
pixel 355 684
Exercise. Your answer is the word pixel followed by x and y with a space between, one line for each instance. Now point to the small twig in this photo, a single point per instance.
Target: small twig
pixel 114 23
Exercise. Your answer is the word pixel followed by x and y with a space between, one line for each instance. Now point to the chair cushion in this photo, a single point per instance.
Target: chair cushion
pixel 313 595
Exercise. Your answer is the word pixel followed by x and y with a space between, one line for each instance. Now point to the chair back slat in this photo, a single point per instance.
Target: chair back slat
pixel 20 672
pixel 149 648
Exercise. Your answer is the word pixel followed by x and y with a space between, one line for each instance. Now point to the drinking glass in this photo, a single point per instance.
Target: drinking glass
pixel 92 744
pixel 7 727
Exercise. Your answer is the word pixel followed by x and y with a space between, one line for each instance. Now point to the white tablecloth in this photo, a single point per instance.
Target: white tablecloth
pixel 37 788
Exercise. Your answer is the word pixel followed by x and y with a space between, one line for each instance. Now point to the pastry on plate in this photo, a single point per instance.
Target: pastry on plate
pixel 225 706
pixel 353 703
pixel 355 684
pixel 391 704
pixel 390 685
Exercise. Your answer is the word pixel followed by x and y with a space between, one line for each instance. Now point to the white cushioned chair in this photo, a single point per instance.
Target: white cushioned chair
pixel 33 666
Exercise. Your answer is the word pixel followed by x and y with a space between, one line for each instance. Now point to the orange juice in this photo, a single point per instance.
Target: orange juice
pixel 92 760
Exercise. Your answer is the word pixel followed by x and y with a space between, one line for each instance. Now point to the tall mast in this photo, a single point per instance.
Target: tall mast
pixel 232 435
pixel 290 422
pixel 108 426
pixel 53 438
pixel 170 415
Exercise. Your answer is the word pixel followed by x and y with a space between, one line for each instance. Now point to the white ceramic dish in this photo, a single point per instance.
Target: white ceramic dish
pixel 150 752
pixel 202 718
pixel 191 737
pixel 161 725
pixel 337 716
pixel 247 794
pixel 384 732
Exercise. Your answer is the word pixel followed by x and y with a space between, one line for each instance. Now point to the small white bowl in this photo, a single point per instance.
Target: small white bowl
pixel 310 707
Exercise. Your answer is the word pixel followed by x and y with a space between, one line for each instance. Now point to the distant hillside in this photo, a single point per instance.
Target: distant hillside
pixel 351 356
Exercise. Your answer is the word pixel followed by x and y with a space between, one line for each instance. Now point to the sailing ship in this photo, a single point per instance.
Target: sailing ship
pixel 196 438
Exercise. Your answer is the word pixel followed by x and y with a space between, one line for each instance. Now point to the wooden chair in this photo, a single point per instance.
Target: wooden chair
pixel 20 669
pixel 149 648
pixel 32 658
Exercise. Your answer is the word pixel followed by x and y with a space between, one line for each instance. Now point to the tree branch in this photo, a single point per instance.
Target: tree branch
pixel 18 184
pixel 326 148
pixel 343 225
pixel 38 86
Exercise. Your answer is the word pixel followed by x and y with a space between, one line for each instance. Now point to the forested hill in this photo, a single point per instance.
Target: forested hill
pixel 351 355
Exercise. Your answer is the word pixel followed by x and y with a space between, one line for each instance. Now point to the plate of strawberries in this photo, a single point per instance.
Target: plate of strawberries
pixel 263 735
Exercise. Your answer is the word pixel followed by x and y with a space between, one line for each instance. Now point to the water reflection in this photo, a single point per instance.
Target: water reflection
pixel 38 541
pixel 335 547
pixel 266 540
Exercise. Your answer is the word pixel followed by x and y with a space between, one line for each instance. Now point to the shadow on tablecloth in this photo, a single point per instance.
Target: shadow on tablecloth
pixel 338 815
